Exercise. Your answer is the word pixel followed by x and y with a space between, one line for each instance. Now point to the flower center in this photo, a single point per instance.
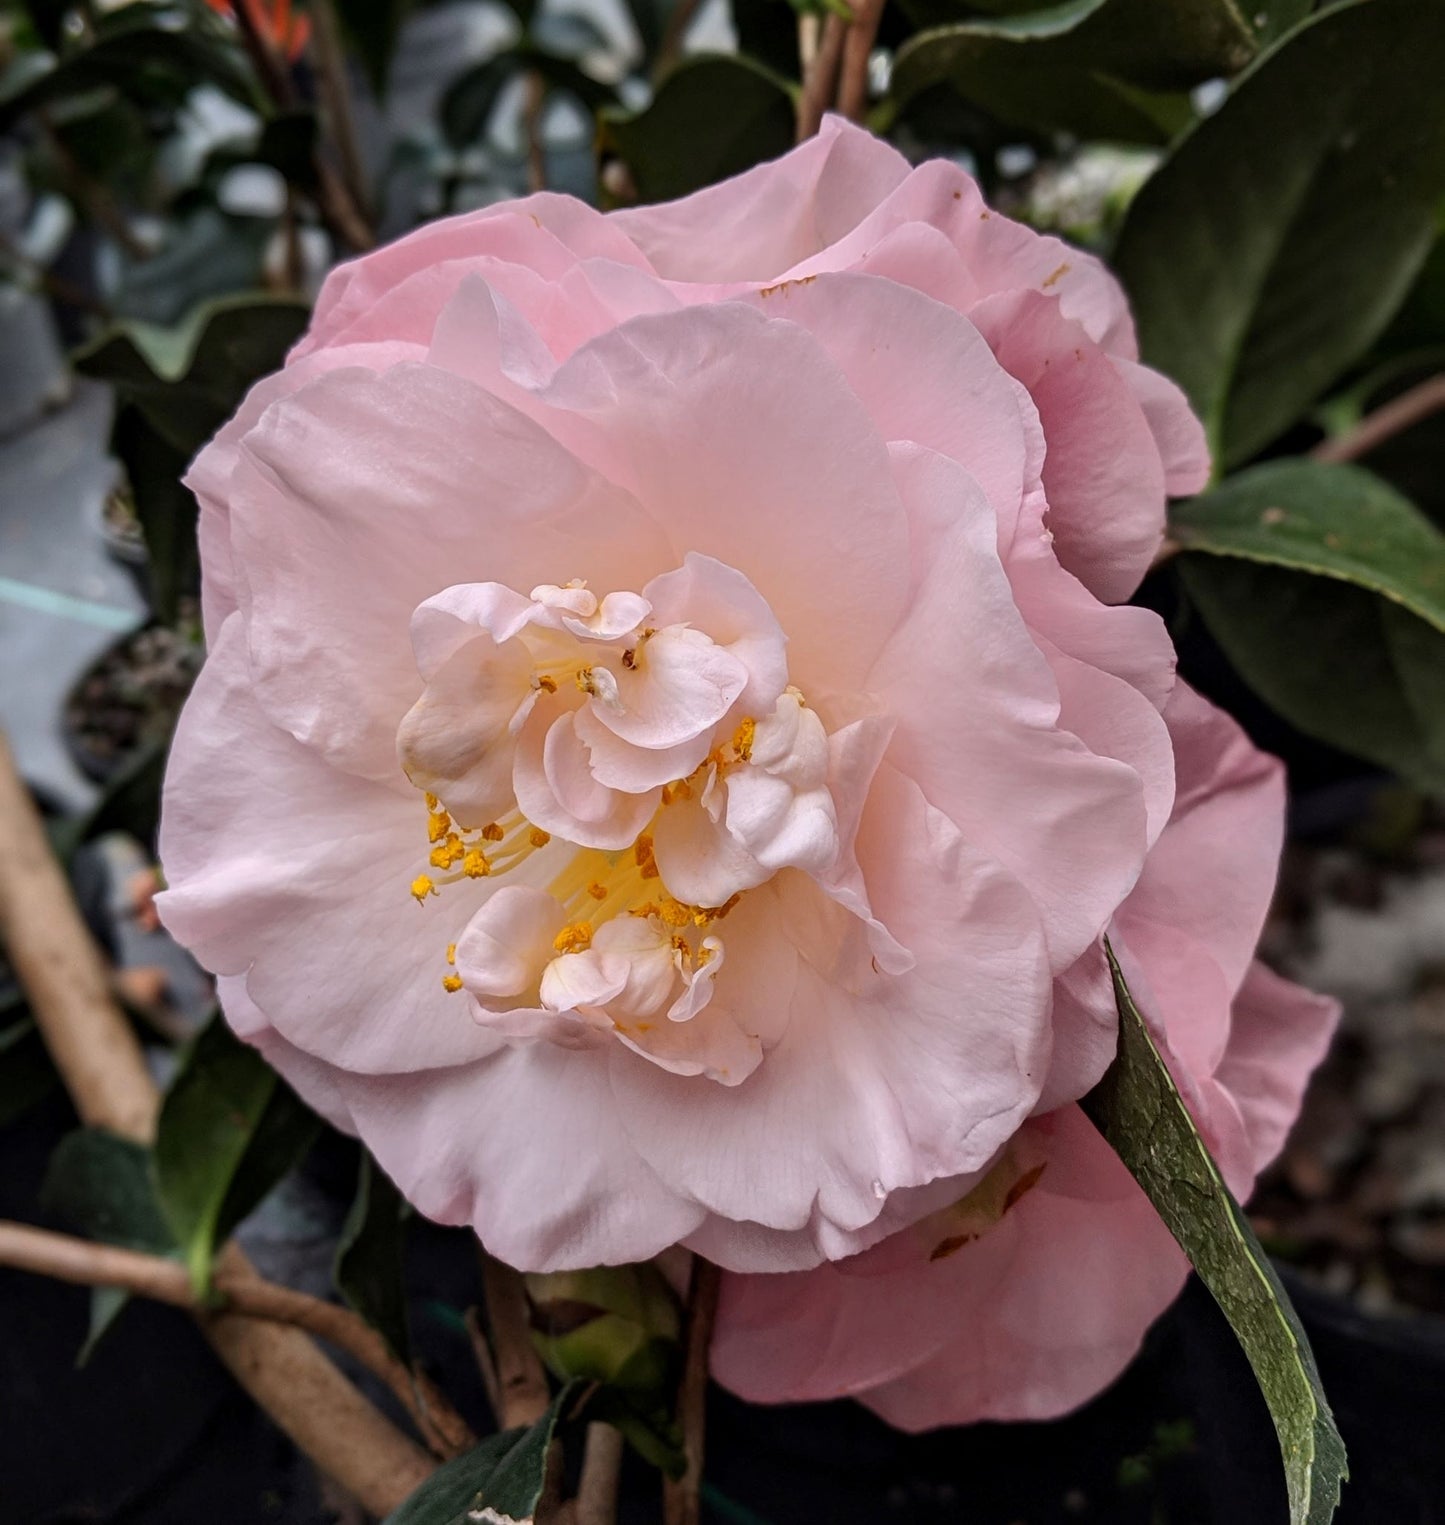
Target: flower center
pixel 612 776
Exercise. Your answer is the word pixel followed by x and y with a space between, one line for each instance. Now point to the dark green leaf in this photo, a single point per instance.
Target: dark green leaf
pixel 27 1076
pixel 229 1129
pixel 712 117
pixel 130 800
pixel 207 255
pixel 1283 232
pixel 106 1306
pixel 1140 1112
pixel 1326 590
pixel 288 144
pixel 1033 80
pixel 165 507
pixel 768 33
pixel 101 1185
pixel 504 1475
pixel 368 1271
pixel 151 53
pixel 187 380
pixel 1332 521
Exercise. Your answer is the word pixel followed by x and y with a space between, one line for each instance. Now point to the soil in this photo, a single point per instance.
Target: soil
pixel 131 696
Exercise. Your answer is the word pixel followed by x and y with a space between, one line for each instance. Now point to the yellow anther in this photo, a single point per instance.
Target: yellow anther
pixel 743 737
pixel 539 838
pixel 674 914
pixel 492 832
pixel 448 853
pixel 451 953
pixel 680 790
pixel 421 887
pixel 451 983
pixel 679 943
pixel 584 680
pixel 546 684
pixel 647 908
pixel 704 954
pixel 475 864
pixel 642 849
pixel 437 826
pixel 597 891
pixel 650 870
pixel 574 938
pixel 431 801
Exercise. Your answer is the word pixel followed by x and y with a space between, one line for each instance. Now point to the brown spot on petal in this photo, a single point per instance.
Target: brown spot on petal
pixel 1056 277
pixel 1025 1184
pixel 802 280
pixel 947 1247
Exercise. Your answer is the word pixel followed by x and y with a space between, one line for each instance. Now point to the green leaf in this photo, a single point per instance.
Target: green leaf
pixel 1326 590
pixel 165 507
pixel 106 1306
pixel 101 1185
pixel 151 53
pixel 1282 233
pixel 229 1129
pixel 1138 1109
pixel 27 1076
pixel 188 379
pixel 1334 521
pixel 504 1475
pixel 712 117
pixel 368 1269
pixel 1027 71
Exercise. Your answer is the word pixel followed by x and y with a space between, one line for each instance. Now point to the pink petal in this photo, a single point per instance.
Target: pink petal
pixel 269 851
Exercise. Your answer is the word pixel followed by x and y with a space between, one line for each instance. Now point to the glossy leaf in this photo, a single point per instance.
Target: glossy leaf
pixel 712 117
pixel 1284 230
pixel 368 1270
pixel 1139 1111
pixel 500 1480
pixel 1326 590
pixel 229 1129
pixel 165 507
pixel 188 379
pixel 101 1186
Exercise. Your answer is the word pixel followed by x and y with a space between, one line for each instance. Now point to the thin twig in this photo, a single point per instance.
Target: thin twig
pixel 532 104
pixel 335 86
pixel 601 1473
pixel 679 24
pixel 857 54
pixel 59 967
pixel 66 1258
pixel 681 1500
pixel 1392 418
pixel 521 1380
pixel 265 58
pixel 821 78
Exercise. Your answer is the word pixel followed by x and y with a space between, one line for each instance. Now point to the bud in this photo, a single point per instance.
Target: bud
pixel 615 1324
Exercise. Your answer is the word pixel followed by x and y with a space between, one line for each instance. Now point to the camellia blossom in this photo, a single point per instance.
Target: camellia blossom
pixel 672 748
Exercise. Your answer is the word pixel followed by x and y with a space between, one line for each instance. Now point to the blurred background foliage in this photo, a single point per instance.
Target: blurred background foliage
pixel 1267 179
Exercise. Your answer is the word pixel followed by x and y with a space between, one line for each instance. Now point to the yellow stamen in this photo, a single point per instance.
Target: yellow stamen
pixel 597 891
pixel 492 833
pixel 451 953
pixel 546 684
pixel 451 983
pixel 743 738
pixel 679 943
pixel 431 801
pixel 539 838
pixel 647 908
pixel 475 864
pixel 421 887
pixel 674 914
pixel 574 938
pixel 437 826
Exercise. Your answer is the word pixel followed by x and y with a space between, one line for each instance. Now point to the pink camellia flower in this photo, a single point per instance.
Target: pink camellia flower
pixel 671 751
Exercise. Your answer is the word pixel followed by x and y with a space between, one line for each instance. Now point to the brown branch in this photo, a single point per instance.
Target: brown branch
pixel 335 89
pixel 1392 418
pixel 521 1380
pixel 104 1070
pixel 820 79
pixel 857 54
pixel 532 104
pixel 681 1500
pixel 265 58
pixel 601 1472
pixel 679 24
pixel 166 1281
